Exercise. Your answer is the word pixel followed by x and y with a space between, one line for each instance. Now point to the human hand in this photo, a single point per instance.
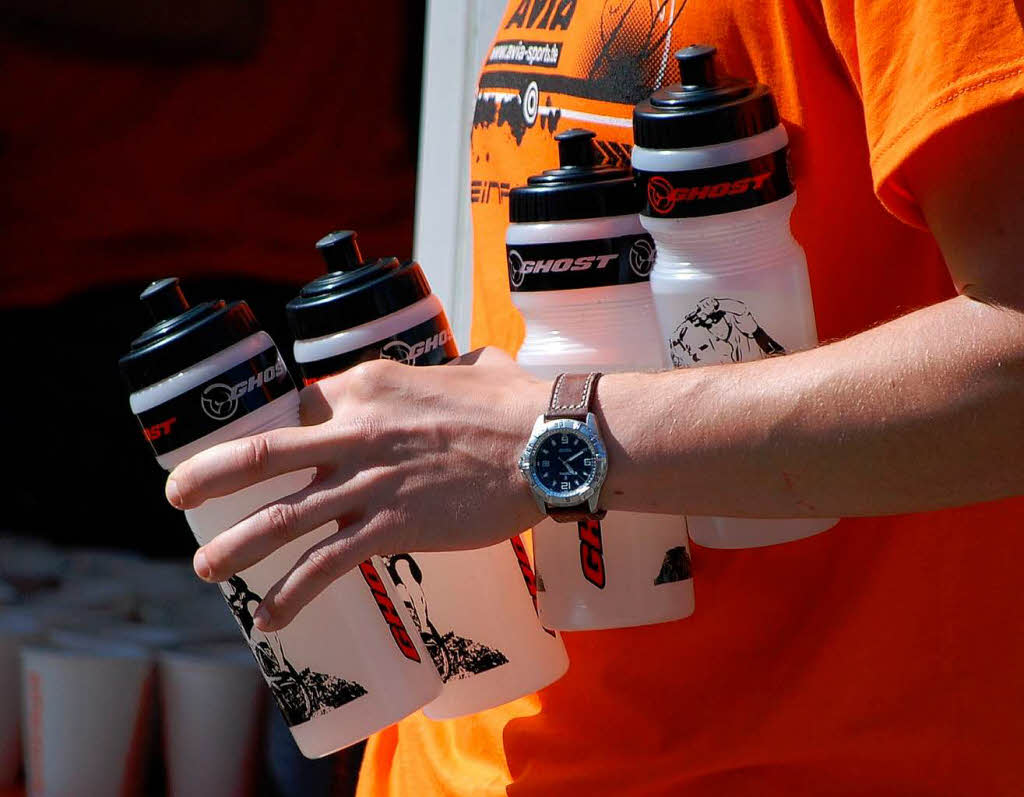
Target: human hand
pixel 407 459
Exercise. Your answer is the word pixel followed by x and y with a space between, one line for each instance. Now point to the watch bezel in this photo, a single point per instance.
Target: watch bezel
pixel 544 430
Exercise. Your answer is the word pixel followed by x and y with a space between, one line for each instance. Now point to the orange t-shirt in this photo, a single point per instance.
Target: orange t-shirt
pixel 882 657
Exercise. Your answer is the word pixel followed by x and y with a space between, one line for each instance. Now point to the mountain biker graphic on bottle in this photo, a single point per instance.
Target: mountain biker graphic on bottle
pixel 454 656
pixel 720 331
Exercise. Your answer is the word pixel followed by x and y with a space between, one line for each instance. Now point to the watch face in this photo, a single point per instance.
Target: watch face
pixel 565 462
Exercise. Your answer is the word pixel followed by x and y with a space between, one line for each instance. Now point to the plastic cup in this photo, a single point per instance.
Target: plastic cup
pixel 203 609
pixel 166 582
pixel 104 595
pixel 16 629
pixel 165 637
pixel 101 562
pixel 53 616
pixel 8 594
pixel 30 565
pixel 212 701
pixel 87 718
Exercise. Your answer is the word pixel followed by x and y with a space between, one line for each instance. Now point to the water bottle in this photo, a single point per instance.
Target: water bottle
pixel 348 664
pixel 578 267
pixel 730 282
pixel 474 610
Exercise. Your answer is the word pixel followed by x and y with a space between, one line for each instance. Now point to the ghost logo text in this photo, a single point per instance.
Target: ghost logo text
pixel 518 268
pixel 220 401
pixel 641 257
pixel 402 352
pixel 527 570
pixel 663 196
pixel 516 274
pixel 592 552
pixel 158 430
pixel 399 351
pixel 217 403
pixel 387 610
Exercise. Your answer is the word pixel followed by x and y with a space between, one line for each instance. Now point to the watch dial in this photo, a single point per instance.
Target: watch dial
pixel 564 462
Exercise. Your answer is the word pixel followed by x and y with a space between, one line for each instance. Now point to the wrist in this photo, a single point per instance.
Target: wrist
pixel 529 402
pixel 637 420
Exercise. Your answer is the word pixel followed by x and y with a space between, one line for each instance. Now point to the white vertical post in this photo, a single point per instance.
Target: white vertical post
pixel 457 35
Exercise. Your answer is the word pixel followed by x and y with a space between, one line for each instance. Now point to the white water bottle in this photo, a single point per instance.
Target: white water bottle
pixel 579 263
pixel 348 664
pixel 730 282
pixel 475 610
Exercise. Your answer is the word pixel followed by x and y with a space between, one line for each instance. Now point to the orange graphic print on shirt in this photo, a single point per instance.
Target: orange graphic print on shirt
pixel 554 65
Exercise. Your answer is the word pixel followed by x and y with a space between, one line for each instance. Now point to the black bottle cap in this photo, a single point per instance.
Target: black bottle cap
pixel 164 299
pixel 340 250
pixel 703 108
pixel 182 335
pixel 578 189
pixel 353 292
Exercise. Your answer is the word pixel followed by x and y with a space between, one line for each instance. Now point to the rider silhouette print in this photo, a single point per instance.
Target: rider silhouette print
pixel 301 695
pixel 720 331
pixel 675 567
pixel 454 656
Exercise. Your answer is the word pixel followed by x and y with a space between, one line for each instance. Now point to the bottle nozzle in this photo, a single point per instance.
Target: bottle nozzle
pixel 576 148
pixel 697 66
pixel 164 299
pixel 340 251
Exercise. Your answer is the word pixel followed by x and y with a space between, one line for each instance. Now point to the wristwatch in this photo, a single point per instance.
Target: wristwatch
pixel 565 462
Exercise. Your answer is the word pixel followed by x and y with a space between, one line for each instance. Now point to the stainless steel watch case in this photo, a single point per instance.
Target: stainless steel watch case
pixel 588 493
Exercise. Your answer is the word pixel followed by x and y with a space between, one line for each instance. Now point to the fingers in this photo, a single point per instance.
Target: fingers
pixel 267 530
pixel 317 569
pixel 228 467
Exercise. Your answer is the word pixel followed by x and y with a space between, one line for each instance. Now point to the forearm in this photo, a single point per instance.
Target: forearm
pixel 920 413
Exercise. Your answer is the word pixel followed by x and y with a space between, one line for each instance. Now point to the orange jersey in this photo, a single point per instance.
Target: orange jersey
pixel 884 656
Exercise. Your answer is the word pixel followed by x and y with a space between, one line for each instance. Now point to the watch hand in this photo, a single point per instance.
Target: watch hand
pixel 577 454
pixel 571 471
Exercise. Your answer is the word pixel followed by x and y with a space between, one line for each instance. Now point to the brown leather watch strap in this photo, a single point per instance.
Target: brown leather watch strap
pixel 570 396
pixel 573 514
